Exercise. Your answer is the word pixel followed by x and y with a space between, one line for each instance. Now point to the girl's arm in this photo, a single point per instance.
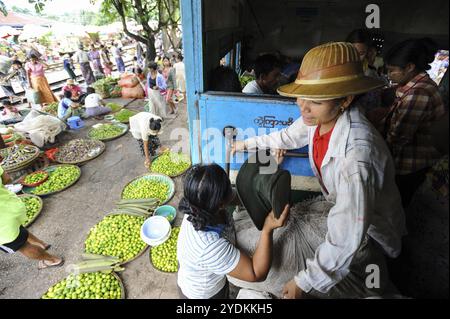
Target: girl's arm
pixel 257 267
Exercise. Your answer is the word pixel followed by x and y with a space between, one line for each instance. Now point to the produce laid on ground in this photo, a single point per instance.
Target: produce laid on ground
pixel 107 87
pixel 164 256
pixel 171 164
pixel 115 107
pixel 116 235
pixel 124 115
pixel 15 156
pixel 33 206
pixel 147 188
pixel 106 131
pixel 35 178
pixel 95 285
pixel 59 178
pixel 51 108
pixel 79 150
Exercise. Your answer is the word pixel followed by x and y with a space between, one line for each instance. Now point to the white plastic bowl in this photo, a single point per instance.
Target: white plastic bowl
pixel 155 230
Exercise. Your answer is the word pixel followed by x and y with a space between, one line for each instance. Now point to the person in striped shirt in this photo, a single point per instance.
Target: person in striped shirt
pixel 205 251
pixel 418 104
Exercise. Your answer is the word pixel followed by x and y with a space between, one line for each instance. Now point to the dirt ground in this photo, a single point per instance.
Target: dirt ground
pixel 68 216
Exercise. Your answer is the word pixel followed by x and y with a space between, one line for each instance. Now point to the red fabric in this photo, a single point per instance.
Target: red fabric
pixel 51 153
pixel 320 147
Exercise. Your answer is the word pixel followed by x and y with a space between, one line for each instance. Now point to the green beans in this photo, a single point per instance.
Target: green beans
pixel 147 188
pixel 105 131
pixel 86 286
pixel 32 206
pixel 116 235
pixel 171 164
pixel 164 256
pixel 61 177
pixel 114 106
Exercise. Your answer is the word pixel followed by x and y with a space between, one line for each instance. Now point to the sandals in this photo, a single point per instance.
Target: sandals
pixel 46 264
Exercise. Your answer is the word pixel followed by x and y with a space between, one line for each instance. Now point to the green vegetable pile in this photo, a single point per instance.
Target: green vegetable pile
pixel 61 177
pixel 245 79
pixel 34 178
pixel 51 108
pixel 116 235
pixel 105 131
pixel 124 115
pixel 86 286
pixel 32 206
pixel 114 106
pixel 106 87
pixel 171 164
pixel 146 188
pixel 164 256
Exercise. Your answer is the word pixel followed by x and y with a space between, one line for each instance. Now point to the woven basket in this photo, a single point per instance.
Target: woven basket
pixel 50 169
pixel 38 212
pixel 158 177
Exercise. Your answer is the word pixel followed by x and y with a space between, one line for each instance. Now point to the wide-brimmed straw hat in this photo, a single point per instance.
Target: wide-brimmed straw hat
pixel 330 71
pixel 70 82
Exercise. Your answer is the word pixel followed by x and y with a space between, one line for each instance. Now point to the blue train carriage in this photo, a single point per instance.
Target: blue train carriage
pixel 239 30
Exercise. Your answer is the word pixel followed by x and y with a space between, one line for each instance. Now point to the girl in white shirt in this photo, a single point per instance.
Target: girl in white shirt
pixel 205 255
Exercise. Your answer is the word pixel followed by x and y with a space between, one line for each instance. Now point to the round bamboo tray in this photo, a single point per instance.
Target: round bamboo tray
pixel 50 169
pixel 19 166
pixel 99 144
pixel 173 176
pixel 126 261
pixel 38 212
pixel 121 125
pixel 22 180
pixel 159 177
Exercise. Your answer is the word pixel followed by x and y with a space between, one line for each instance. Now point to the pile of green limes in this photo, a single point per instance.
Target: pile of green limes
pixel 171 164
pixel 34 177
pixel 95 285
pixel 32 206
pixel 164 256
pixel 146 188
pixel 116 235
pixel 60 178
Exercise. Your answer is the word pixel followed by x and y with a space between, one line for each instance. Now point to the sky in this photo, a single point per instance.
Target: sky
pixel 57 6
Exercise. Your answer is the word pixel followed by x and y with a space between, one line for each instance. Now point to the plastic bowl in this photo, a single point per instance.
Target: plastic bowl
pixel 166 211
pixel 155 230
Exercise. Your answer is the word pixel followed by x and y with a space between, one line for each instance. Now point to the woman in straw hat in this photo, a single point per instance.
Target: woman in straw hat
pixel 355 171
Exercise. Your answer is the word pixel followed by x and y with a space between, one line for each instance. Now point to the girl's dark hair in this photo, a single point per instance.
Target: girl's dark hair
pixel 153 65
pixel 420 52
pixel 206 189
pixel 224 79
pixel 155 125
pixel 67 94
pixel 33 56
pixel 17 62
pixel 90 90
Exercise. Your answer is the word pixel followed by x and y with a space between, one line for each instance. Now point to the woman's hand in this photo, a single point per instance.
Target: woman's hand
pixel 292 291
pixel 272 223
pixel 237 146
